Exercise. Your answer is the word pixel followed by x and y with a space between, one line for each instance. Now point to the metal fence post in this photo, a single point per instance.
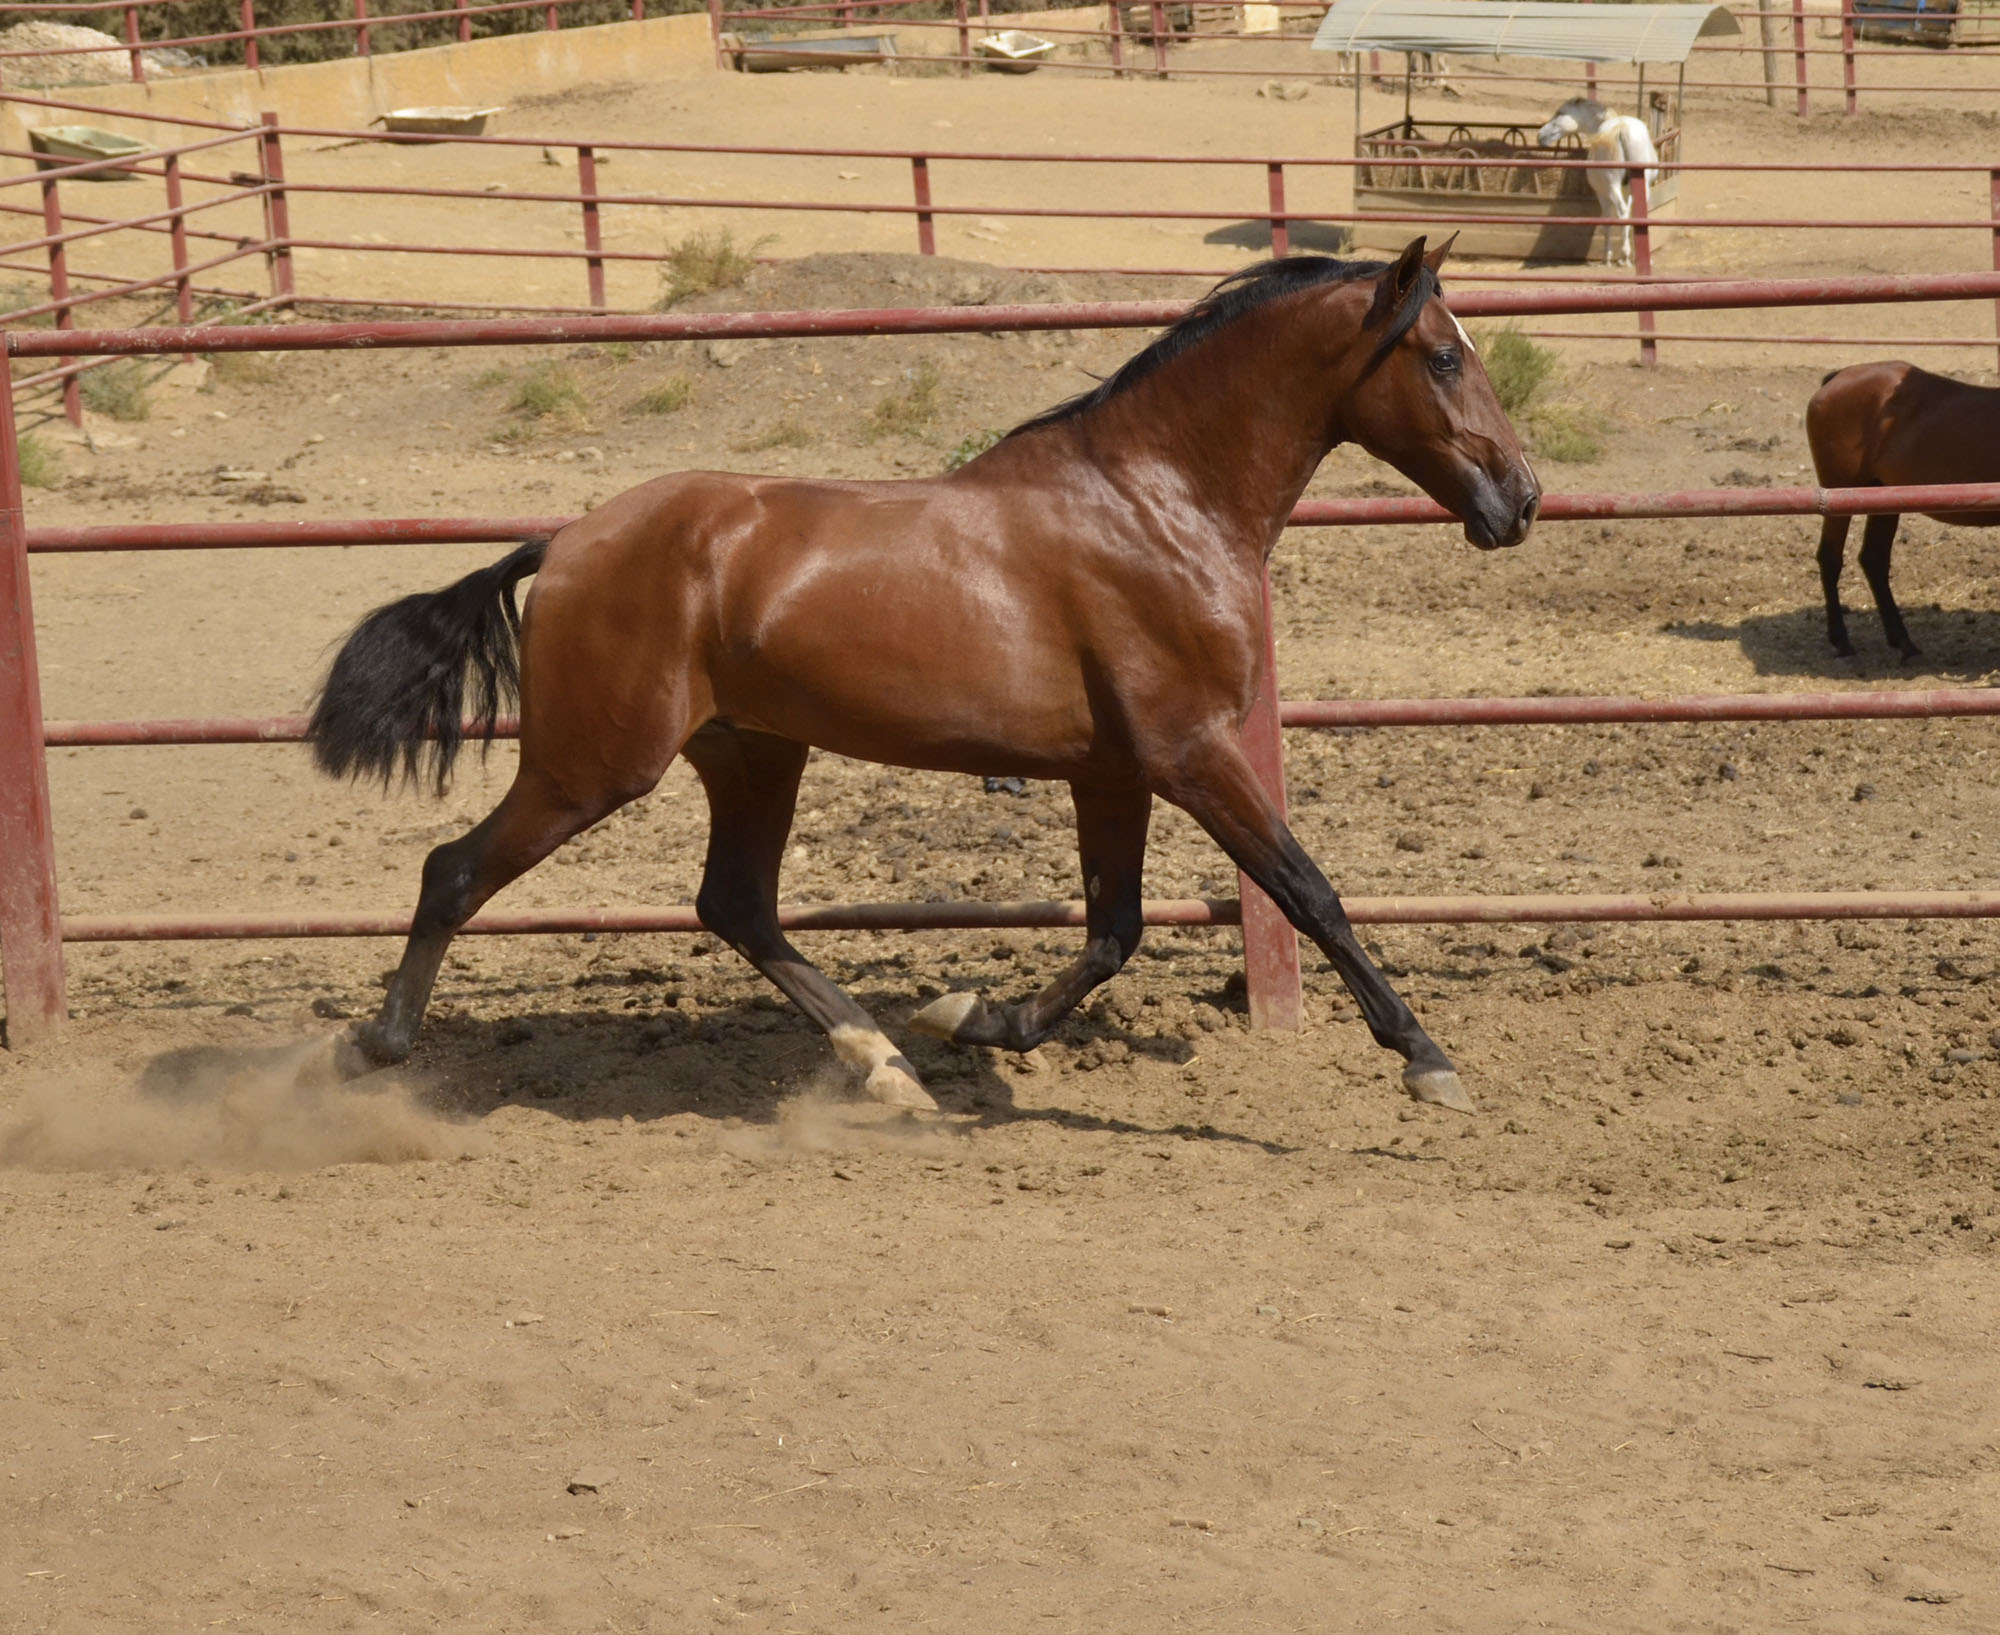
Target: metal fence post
pixel 593 236
pixel 1270 944
pixel 52 224
pixel 31 963
pixel 964 37
pixel 132 40
pixel 715 31
pixel 1767 33
pixel 177 232
pixel 277 213
pixel 1159 38
pixel 361 33
pixel 1117 10
pixel 1993 199
pixel 920 182
pixel 247 19
pixel 1847 54
pixel 1642 260
pixel 1799 53
pixel 465 24
pixel 550 21
pixel 1281 229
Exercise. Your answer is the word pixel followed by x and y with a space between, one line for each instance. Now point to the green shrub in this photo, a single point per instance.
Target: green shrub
pixel 1560 432
pixel 669 397
pixel 705 261
pixel 1517 367
pixel 41 466
pixel 547 389
pixel 909 412
pixel 787 433
pixel 972 447
pixel 118 391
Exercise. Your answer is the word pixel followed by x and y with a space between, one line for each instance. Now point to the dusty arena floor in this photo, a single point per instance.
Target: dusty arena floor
pixel 613 1312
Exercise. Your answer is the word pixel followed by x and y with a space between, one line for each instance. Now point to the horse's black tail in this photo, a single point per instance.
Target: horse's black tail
pixel 395 695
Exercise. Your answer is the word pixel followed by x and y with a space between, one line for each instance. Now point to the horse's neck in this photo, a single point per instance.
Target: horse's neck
pixel 1244 420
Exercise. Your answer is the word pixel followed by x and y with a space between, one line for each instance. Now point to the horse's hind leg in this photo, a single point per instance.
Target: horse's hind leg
pixel 533 818
pixel 752 781
pixel 1214 784
pixel 1832 556
pixel 1111 842
pixel 1878 539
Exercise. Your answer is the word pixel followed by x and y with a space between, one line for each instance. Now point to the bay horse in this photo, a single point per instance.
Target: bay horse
pixel 1881 425
pixel 1082 602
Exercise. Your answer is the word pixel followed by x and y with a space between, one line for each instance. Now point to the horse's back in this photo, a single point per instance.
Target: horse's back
pixel 1893 423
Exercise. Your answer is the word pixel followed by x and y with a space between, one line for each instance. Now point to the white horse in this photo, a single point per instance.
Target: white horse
pixel 1607 136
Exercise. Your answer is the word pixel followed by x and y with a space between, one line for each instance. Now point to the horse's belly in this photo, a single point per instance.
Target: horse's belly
pixel 1966 519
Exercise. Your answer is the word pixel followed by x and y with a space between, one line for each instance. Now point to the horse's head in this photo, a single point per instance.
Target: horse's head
pixel 1577 117
pixel 1423 403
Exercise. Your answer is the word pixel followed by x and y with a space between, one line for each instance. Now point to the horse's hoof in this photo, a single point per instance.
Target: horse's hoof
pixel 896 1086
pixel 942 1018
pixel 1440 1087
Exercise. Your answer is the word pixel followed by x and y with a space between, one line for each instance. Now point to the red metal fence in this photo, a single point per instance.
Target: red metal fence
pixel 32 930
pixel 285 201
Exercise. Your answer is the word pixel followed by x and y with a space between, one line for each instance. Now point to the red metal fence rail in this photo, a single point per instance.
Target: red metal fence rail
pixel 32 929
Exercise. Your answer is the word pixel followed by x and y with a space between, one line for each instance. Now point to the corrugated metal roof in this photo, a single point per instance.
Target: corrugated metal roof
pixel 1529 28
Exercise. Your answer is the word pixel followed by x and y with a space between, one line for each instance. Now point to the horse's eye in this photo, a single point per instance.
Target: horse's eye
pixel 1446 362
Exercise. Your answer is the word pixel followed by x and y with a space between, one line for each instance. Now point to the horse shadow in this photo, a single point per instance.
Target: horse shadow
pixel 1313 237
pixel 750 1063
pixel 1958 644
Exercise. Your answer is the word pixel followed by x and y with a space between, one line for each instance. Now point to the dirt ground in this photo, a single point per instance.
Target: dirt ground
pixel 613 1312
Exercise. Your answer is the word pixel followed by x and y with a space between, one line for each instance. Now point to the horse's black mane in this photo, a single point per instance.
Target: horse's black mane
pixel 1237 294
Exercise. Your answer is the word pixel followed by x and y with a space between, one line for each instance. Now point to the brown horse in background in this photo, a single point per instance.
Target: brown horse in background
pixel 1881 425
pixel 1082 602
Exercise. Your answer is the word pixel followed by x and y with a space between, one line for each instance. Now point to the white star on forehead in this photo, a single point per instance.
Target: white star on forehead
pixel 1455 324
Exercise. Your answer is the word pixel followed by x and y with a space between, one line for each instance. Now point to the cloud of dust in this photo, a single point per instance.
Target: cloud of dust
pixel 822 1118
pixel 268 1108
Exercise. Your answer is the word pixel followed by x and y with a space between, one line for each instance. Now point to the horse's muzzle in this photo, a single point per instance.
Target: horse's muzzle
pixel 1503 512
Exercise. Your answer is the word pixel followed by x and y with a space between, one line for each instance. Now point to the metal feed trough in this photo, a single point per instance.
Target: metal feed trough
pixel 1402 174
pixel 777 54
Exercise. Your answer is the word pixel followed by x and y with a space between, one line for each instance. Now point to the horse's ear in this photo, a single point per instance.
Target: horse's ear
pixel 1396 282
pixel 1435 260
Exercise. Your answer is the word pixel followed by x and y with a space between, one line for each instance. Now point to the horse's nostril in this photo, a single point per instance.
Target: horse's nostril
pixel 1530 511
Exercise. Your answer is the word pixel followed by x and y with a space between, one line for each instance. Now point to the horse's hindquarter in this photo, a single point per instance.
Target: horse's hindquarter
pixel 1893 424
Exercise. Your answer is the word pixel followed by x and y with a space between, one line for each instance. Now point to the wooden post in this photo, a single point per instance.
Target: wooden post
pixel 1799 53
pixel 132 40
pixel 31 963
pixel 1281 229
pixel 52 224
pixel 1767 32
pixel 593 235
pixel 1847 54
pixel 247 18
pixel 361 33
pixel 1270 944
pixel 1642 261
pixel 964 36
pixel 1117 10
pixel 465 23
pixel 920 182
pixel 177 231
pixel 1159 11
pixel 277 212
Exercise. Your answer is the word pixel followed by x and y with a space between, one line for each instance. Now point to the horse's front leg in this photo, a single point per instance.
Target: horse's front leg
pixel 1832 556
pixel 1213 783
pixel 1111 821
